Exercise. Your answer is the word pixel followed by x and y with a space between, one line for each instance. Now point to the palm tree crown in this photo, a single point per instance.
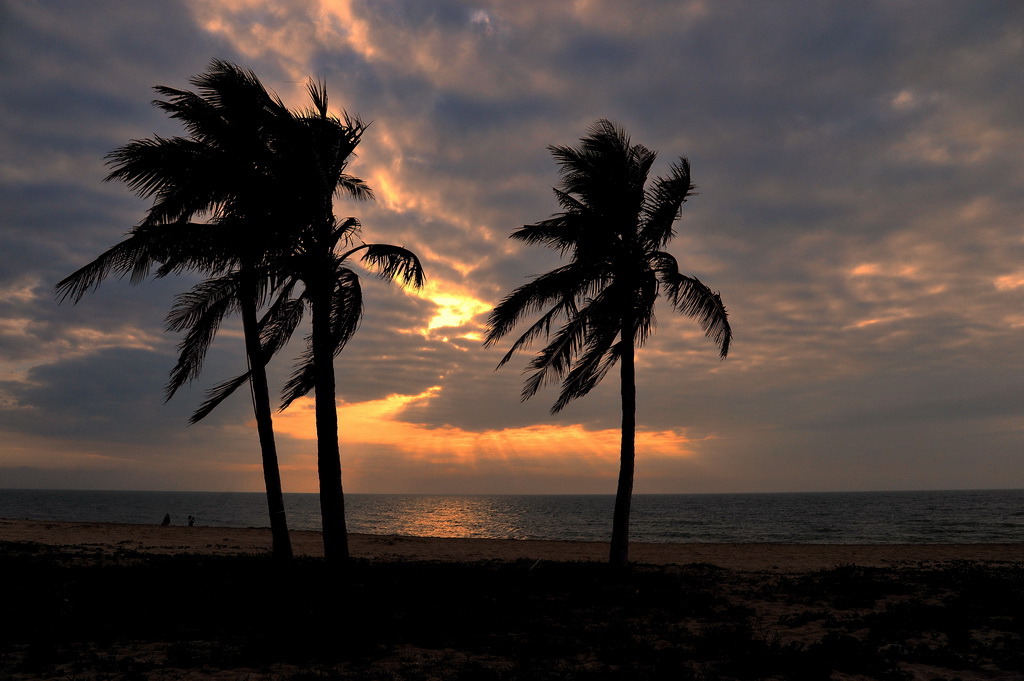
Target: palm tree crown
pixel 595 310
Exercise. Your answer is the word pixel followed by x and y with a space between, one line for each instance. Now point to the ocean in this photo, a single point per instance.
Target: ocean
pixel 974 516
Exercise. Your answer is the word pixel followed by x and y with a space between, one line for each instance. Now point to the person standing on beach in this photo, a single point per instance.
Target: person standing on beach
pixel 167 520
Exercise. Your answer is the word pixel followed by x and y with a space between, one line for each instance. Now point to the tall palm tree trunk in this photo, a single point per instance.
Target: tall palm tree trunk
pixel 328 454
pixel 619 553
pixel 282 545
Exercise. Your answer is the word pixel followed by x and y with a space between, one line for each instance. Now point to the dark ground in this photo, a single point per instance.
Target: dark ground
pixel 133 616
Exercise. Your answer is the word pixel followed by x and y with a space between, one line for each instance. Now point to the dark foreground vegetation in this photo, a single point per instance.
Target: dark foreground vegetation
pixel 135 616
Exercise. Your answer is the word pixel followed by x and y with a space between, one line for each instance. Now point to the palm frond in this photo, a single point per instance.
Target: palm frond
pixel 695 300
pixel 554 361
pixel 569 203
pixel 192 306
pixel 642 300
pixel 278 324
pixel 184 178
pixel 590 329
pixel 264 179
pixel 130 255
pixel 561 283
pixel 317 90
pixel 604 321
pixel 394 262
pixel 302 380
pixel 561 232
pixel 663 204
pixel 237 92
pixel 346 308
pixel 275 330
pixel 542 327
pixel 346 313
pixel 346 230
pixel 606 169
pixel 601 355
pixel 353 187
pixel 136 255
pixel 199 116
pixel 200 311
pixel 216 395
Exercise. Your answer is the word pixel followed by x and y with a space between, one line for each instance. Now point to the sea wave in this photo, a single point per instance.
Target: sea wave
pixel 969 516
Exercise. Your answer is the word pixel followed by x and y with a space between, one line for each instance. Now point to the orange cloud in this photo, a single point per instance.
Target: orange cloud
pixel 257 28
pixel 877 269
pixel 1008 282
pixel 455 307
pixel 23 291
pixel 378 423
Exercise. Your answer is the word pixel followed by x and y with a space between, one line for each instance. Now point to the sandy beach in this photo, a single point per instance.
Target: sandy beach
pixel 101 601
pixel 791 558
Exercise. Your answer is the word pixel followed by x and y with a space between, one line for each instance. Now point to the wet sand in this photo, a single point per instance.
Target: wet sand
pixel 787 558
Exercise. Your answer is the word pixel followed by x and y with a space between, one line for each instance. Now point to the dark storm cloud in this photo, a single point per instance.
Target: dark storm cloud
pixel 77 79
pixel 112 394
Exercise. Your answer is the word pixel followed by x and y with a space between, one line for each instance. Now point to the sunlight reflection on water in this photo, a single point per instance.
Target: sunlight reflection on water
pixel 457 516
pixel 836 517
pixel 574 518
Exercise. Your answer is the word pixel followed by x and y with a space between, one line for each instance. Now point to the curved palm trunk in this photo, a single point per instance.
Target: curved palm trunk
pixel 282 545
pixel 619 553
pixel 328 454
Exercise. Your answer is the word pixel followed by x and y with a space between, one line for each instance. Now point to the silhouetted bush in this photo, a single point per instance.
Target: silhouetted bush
pixel 495 620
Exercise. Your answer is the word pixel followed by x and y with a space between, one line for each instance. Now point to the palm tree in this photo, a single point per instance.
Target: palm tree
pixel 323 282
pixel 333 294
pixel 269 177
pixel 220 169
pixel 615 229
pixel 314 164
pixel 309 169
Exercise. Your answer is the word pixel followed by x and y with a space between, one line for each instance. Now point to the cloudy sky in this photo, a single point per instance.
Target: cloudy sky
pixel 861 209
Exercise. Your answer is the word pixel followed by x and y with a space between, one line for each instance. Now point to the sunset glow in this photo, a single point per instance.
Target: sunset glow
pixel 1009 282
pixel 456 308
pixel 378 422
pixel 858 207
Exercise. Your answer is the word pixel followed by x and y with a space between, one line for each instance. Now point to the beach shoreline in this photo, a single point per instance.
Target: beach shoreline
pixel 107 538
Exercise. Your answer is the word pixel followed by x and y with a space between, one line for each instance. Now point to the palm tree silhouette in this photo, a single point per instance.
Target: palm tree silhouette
pixel 310 154
pixel 614 228
pixel 266 177
pixel 312 163
pixel 218 170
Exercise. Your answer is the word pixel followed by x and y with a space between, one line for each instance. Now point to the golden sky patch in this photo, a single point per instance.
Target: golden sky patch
pixel 1011 281
pixel 377 422
pixel 20 291
pixel 456 307
pixel 869 322
pixel 874 269
pixel 867 269
pixel 92 339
